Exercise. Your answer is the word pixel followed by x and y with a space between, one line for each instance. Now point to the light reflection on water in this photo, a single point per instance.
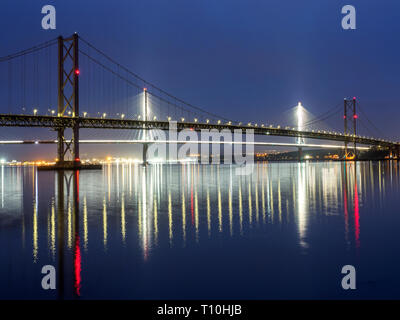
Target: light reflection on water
pixel 134 221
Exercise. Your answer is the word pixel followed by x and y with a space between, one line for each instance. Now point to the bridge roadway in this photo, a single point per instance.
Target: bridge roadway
pixel 9 120
pixel 256 143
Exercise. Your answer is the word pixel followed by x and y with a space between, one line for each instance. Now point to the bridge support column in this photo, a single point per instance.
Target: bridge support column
pixel 60 131
pixel 300 153
pixel 350 104
pixel 75 114
pixel 145 148
pixel 68 100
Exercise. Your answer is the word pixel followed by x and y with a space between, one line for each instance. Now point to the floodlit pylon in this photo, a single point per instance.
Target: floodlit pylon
pixel 68 96
pixel 350 105
pixel 145 118
pixel 300 123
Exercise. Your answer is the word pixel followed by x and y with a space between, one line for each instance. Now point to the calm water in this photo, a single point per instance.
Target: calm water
pixel 193 231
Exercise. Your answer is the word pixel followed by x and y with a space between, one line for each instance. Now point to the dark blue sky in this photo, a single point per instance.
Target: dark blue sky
pixel 243 58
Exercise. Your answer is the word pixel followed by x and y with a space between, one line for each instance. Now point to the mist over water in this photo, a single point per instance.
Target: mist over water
pixel 200 231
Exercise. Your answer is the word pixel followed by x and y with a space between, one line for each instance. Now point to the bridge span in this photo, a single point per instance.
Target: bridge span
pixel 56 122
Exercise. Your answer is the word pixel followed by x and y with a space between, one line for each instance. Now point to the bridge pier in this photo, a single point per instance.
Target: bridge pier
pixel 145 148
pixel 300 153
pixel 395 153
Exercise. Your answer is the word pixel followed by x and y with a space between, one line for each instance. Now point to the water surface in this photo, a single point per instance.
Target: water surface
pixel 201 231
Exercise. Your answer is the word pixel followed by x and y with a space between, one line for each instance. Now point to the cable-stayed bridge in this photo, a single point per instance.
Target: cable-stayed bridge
pixel 70 86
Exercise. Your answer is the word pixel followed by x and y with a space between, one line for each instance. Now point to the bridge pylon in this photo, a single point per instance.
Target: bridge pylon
pixel 350 126
pixel 68 99
pixel 145 133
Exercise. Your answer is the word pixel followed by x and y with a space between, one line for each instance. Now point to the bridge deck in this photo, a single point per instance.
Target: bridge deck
pixel 103 123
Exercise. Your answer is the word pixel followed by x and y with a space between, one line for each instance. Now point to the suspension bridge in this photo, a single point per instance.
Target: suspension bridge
pixel 73 88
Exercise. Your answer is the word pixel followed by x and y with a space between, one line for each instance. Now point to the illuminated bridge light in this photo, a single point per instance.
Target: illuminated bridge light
pixel 77 72
pixel 154 118
pixel 195 120
pixel 182 119
pixel 169 118
pixel 122 116
pixel 84 114
pixel 138 117
pixel 207 121
pixel 35 112
pixel 104 115
pixel 219 121
pixel 53 112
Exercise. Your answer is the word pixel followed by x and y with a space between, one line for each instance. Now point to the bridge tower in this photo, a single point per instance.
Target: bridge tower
pixel 145 118
pixel 350 124
pixel 68 99
pixel 300 123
